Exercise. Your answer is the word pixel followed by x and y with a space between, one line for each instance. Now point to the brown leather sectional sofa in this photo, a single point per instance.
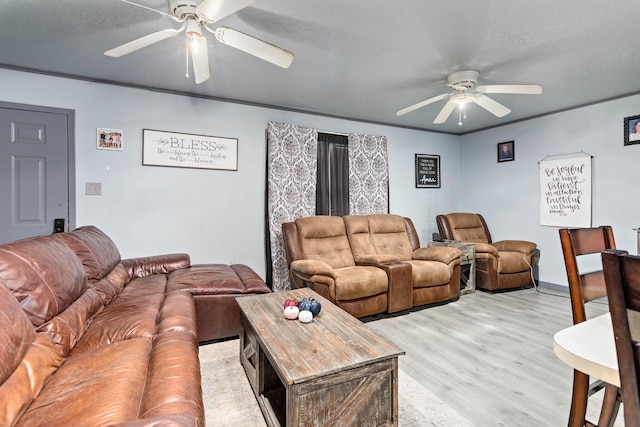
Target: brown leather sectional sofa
pixel 90 339
pixel 369 264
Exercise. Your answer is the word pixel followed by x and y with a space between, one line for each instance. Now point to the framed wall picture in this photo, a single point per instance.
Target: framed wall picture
pixel 427 171
pixel 506 151
pixel 109 139
pixel 632 130
pixel 175 149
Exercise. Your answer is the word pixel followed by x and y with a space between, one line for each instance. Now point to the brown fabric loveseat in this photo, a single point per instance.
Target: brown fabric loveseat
pixel 89 339
pixel 369 264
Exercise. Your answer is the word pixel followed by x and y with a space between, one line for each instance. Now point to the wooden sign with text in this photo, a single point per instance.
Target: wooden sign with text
pixel 183 150
pixel 427 171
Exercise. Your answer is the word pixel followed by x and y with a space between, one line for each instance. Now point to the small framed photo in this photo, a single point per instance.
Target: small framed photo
pixel 506 151
pixel 632 130
pixel 109 139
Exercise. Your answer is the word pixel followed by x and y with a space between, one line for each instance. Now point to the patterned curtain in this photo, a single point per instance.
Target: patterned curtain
pixel 292 165
pixel 368 174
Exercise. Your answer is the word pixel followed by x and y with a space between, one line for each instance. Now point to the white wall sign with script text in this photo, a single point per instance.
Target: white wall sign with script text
pixel 565 192
pixel 183 150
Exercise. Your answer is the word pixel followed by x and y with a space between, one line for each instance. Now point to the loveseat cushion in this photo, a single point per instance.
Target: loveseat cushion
pixel 429 273
pixel 43 274
pixel 389 235
pixel 324 238
pixel 360 282
pixel 97 252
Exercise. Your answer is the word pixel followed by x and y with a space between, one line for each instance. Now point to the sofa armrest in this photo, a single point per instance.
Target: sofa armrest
pixel 521 246
pixel 375 259
pixel 306 268
pixel 158 264
pixel 443 254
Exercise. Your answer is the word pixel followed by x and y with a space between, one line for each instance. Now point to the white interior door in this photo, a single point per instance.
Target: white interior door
pixel 34 172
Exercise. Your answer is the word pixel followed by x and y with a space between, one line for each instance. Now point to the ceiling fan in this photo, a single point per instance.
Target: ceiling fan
pixel 195 17
pixel 464 84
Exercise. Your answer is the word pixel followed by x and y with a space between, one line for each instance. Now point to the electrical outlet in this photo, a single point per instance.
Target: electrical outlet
pixel 93 188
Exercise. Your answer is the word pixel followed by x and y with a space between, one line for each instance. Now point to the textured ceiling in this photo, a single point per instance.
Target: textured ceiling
pixel 358 59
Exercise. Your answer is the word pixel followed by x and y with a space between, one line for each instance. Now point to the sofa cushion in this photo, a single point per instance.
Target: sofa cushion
pixel 16 334
pixel 133 314
pixel 96 250
pixel 112 375
pixel 216 279
pixel 324 238
pixel 43 274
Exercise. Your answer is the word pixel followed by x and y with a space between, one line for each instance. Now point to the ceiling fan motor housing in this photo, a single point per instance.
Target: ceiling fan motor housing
pixel 466 79
pixel 183 8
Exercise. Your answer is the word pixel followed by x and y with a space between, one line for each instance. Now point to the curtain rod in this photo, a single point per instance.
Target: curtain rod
pixel 333 133
pixel 565 154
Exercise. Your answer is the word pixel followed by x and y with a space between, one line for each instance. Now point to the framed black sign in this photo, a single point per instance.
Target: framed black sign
pixel 427 171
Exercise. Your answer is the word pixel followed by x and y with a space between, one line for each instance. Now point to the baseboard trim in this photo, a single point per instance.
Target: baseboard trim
pixel 554 286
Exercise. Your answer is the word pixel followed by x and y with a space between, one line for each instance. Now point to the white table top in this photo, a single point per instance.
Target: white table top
pixel 589 347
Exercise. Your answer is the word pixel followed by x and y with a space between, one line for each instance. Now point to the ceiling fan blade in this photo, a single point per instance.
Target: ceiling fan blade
pixel 253 46
pixel 445 112
pixel 145 41
pixel 175 18
pixel 201 68
pixel 422 104
pixel 215 10
pixel 518 89
pixel 492 106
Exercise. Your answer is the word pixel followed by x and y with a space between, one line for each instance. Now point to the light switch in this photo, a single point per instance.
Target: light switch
pixel 93 188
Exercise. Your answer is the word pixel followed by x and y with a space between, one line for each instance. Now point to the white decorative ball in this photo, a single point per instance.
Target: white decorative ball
pixel 305 316
pixel 291 312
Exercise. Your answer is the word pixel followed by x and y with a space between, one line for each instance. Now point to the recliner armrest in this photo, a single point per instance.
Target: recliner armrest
pixel 310 267
pixel 521 246
pixel 487 248
pixel 443 254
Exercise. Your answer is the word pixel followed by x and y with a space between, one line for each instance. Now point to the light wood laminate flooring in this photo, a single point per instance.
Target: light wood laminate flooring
pixel 490 356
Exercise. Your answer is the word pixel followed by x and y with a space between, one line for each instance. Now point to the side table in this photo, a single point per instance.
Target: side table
pixel 467 263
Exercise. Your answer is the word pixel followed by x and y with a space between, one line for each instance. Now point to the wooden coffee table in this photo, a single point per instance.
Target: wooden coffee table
pixel 332 371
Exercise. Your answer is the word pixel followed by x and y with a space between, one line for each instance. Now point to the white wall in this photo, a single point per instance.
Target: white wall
pixel 508 194
pixel 215 216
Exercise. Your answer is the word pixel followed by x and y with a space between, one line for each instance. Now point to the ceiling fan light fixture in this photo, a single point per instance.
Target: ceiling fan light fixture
pixel 193 30
pixel 194 33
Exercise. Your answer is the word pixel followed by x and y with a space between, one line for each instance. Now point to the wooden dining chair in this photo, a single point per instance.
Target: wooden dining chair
pixel 622 277
pixel 585 287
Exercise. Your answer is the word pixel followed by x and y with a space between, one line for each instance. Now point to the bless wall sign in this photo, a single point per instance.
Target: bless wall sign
pixel 160 148
pixel 427 171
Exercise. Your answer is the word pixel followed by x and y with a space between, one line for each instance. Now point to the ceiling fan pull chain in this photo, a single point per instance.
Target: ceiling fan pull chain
pixel 186 56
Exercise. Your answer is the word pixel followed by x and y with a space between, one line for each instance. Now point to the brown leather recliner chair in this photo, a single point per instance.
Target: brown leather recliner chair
pixel 506 264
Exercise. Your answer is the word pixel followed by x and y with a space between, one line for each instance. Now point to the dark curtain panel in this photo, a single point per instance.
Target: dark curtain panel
pixel 332 192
